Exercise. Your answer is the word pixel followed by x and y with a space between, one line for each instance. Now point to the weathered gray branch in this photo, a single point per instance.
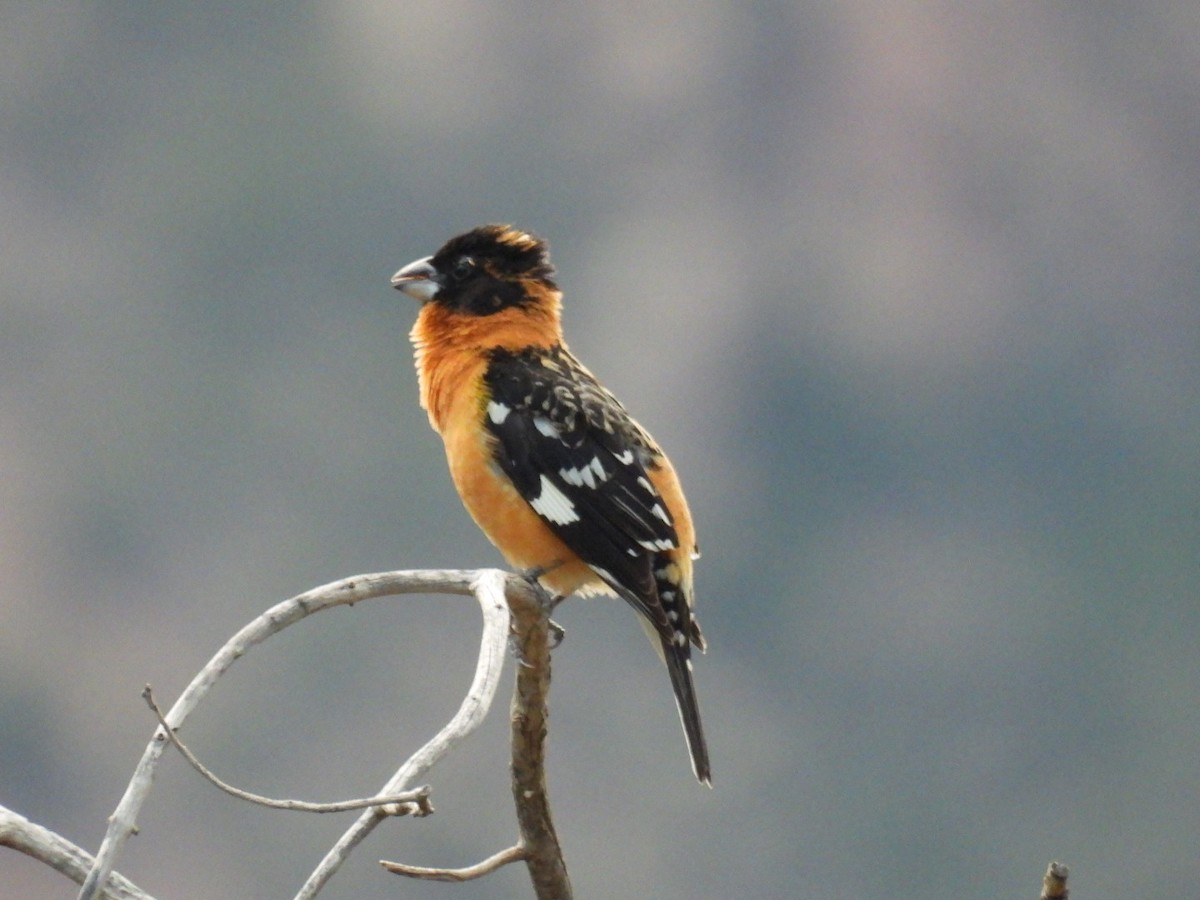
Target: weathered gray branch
pixel 507 601
pixel 534 635
pixel 486 585
pixel 18 833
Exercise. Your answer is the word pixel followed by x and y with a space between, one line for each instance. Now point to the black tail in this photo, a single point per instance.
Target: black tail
pixel 679 666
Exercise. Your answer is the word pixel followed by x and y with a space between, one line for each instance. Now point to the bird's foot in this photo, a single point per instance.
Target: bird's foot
pixel 534 573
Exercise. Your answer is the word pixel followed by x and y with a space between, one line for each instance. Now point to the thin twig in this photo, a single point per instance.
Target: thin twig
pixel 488 586
pixel 123 821
pixel 44 845
pixel 414 802
pixel 469 873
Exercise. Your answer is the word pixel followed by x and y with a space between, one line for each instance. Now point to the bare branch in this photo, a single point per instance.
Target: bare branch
pixel 470 873
pixel 414 802
pixel 123 821
pixel 488 586
pixel 543 855
pixel 534 635
pixel 44 845
pixel 1054 882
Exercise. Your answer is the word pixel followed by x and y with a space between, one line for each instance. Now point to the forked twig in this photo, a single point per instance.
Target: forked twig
pixel 534 636
pixel 486 585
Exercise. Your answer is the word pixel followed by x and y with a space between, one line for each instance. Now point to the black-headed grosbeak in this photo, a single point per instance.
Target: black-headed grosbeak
pixel 548 462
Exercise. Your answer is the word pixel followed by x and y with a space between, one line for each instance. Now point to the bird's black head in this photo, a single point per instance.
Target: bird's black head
pixel 481 272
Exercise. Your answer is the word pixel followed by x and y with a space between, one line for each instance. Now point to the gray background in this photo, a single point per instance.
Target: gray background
pixel 909 292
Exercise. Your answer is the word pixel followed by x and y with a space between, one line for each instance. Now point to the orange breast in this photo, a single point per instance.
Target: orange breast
pixel 451 365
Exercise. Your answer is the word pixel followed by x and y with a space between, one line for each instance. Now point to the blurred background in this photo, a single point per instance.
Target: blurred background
pixel 909 293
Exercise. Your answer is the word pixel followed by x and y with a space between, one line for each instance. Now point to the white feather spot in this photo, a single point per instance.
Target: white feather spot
pixel 545 426
pixel 598 467
pixel 603 573
pixel 553 504
pixel 580 477
pixel 658 545
pixel 646 485
pixel 661 545
pixel 660 512
pixel 586 476
pixel 625 458
pixel 498 412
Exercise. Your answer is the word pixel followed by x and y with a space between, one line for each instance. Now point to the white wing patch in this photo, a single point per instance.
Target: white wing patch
pixel 657 545
pixel 553 505
pixel 546 427
pixel 591 474
pixel 498 412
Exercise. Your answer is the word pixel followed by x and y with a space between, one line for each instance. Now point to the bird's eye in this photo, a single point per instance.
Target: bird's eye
pixel 462 268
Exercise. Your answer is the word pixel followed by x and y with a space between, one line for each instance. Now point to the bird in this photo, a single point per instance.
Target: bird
pixel 550 465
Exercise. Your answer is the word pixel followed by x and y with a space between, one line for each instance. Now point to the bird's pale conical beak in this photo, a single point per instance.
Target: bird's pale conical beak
pixel 418 280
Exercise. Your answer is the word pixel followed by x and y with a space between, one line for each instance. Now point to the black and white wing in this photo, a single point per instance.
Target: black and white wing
pixel 581 462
